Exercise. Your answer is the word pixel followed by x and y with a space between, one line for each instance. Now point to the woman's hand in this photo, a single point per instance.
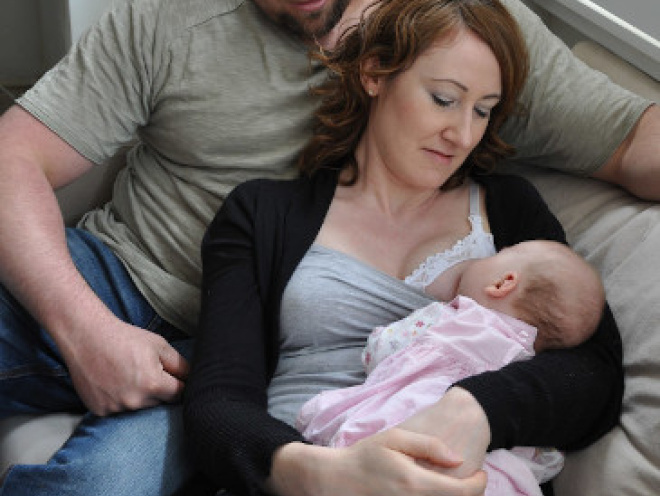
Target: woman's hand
pixel 390 463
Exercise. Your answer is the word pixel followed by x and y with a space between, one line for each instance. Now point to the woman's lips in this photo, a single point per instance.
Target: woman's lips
pixel 437 155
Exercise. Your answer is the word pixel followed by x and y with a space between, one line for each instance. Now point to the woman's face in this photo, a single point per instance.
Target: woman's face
pixel 425 121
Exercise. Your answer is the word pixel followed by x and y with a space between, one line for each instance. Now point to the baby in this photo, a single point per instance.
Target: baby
pixel 527 298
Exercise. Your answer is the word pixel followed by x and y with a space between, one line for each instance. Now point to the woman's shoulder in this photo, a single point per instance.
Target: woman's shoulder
pixel 501 181
pixel 266 198
pixel 261 186
pixel 509 189
pixel 321 180
pixel 517 211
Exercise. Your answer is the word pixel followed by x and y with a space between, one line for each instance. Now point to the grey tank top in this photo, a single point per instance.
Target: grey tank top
pixel 329 307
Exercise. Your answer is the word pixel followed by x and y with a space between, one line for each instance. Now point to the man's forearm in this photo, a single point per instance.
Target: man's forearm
pixel 35 265
pixel 34 262
pixel 113 365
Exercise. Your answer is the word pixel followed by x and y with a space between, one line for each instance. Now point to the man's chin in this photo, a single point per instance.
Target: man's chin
pixel 315 25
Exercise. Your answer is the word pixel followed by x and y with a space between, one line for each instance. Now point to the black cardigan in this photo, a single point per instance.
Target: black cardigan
pixel 561 398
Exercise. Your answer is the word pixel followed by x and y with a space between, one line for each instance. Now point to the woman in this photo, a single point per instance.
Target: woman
pixel 297 273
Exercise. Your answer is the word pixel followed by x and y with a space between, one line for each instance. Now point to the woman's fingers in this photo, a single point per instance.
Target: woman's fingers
pixel 399 461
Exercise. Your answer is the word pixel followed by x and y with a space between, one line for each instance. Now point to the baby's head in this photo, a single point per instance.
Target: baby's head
pixel 543 283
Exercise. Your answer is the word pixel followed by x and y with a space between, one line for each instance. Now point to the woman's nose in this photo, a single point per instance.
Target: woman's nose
pixel 460 130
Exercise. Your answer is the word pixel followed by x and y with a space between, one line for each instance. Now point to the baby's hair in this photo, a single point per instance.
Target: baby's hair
pixel 563 296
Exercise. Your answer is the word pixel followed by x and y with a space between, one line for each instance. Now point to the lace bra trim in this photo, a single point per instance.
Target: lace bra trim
pixel 477 244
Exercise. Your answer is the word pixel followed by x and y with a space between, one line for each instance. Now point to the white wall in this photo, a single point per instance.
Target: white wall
pixel 35 34
pixel 629 28
pixel 82 13
pixel 644 14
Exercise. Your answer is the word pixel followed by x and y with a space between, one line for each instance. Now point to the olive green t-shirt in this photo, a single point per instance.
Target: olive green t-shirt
pixel 216 94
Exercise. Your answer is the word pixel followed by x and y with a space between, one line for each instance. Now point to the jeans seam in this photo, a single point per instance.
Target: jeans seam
pixel 4 475
pixel 30 371
pixel 155 322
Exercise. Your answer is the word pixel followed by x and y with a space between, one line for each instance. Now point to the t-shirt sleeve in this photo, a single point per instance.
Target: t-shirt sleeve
pixel 99 94
pixel 573 117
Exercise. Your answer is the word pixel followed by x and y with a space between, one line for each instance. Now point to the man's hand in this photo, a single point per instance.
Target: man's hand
pixel 119 367
pixel 114 366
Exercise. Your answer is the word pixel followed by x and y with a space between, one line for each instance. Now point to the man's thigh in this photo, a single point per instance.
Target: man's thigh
pixel 33 376
pixel 139 452
pixel 133 453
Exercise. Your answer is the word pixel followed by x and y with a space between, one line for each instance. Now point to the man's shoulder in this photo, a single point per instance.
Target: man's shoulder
pixel 193 12
pixel 181 15
pixel 188 7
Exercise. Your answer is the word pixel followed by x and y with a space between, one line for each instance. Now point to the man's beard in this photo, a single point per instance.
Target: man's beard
pixel 300 29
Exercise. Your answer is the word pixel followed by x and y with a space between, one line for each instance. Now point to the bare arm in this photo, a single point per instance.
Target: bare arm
pixel 36 267
pixel 636 163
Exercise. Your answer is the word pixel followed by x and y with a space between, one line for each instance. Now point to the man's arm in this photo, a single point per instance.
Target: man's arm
pixel 636 163
pixel 36 268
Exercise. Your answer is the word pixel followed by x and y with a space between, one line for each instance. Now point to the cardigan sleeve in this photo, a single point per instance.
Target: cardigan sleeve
pixel 563 398
pixel 231 434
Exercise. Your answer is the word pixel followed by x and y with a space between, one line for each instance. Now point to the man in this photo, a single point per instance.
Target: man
pixel 217 93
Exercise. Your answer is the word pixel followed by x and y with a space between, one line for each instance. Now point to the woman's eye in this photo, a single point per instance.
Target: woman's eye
pixel 482 113
pixel 442 101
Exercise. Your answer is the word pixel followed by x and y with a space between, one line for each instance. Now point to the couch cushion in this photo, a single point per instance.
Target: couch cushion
pixel 32 438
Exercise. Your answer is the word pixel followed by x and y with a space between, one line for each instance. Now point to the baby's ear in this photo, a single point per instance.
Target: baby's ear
pixel 503 286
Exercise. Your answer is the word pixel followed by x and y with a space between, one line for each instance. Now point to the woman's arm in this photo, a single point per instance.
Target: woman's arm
pixel 562 398
pixel 232 435
pixel 528 403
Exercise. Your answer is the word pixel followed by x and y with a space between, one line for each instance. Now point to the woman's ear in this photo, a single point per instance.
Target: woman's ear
pixel 370 83
pixel 503 286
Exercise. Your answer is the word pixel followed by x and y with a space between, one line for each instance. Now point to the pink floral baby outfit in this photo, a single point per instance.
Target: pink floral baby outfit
pixel 411 363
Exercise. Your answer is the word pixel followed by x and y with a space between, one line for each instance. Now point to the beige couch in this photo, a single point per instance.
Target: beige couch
pixel 615 231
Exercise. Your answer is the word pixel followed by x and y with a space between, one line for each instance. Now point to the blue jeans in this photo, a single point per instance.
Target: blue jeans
pixel 137 453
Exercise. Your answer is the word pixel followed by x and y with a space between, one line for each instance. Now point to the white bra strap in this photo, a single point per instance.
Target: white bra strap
pixel 475 204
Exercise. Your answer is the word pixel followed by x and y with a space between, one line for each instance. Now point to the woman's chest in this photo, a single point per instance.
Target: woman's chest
pixel 396 246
